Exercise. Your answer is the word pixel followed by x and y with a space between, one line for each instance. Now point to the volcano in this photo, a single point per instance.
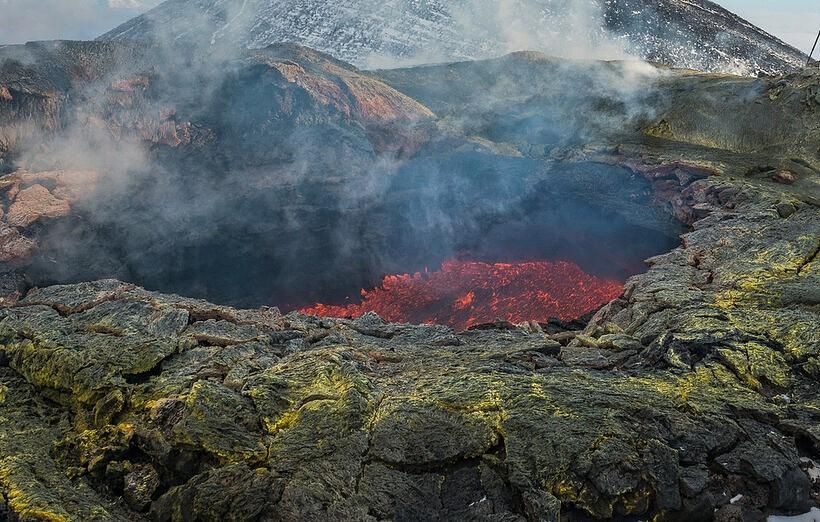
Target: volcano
pixel 169 212
pixel 695 34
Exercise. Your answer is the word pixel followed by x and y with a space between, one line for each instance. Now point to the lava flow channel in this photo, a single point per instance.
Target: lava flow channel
pixel 467 293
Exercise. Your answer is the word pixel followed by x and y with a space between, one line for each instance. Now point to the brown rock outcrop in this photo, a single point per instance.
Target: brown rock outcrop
pixel 35 203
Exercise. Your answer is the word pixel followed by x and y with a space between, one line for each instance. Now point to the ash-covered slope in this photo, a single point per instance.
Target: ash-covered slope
pixel 695 34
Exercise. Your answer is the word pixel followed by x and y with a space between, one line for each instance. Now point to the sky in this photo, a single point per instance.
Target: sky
pixel 794 21
pixel 29 20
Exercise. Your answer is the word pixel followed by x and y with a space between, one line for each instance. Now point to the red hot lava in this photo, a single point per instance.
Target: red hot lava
pixel 466 293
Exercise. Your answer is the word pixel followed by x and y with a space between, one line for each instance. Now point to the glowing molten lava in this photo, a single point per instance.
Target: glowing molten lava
pixel 466 293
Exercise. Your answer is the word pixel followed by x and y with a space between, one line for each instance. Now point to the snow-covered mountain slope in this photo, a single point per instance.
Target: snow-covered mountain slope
pixel 694 34
pixel 133 4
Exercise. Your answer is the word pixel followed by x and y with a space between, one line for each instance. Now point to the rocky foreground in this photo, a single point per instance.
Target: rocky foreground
pixel 692 397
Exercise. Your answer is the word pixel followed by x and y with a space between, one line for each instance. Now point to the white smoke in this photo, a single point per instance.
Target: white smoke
pixel 567 29
pixel 562 28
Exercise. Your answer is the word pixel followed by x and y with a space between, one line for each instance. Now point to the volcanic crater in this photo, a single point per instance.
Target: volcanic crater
pixel 411 224
pixel 542 247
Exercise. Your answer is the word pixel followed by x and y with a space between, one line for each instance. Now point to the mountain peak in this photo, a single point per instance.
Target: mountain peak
pixel 695 34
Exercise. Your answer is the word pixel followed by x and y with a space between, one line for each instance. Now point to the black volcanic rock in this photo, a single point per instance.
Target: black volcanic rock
pixel 695 34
